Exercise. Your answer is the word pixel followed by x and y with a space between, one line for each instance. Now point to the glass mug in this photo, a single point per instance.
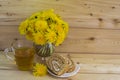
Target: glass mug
pixel 23 54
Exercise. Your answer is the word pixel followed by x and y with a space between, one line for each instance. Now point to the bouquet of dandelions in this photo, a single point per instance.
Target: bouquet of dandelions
pixel 44 28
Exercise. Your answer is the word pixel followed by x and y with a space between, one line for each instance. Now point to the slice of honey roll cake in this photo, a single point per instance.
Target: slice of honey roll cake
pixel 58 64
pixel 71 64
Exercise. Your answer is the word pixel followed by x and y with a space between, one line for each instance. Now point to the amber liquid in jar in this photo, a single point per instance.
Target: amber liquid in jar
pixel 24 58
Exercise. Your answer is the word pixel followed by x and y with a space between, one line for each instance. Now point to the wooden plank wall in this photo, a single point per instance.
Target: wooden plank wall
pixel 94 24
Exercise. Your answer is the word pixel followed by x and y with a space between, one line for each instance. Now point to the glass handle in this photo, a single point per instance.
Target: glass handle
pixel 9 50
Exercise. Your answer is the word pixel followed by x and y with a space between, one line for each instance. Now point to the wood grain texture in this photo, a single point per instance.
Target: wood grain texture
pixel 97 63
pixel 28 76
pixel 78 13
pixel 94 24
pixel 93 67
pixel 91 41
pixel 78 40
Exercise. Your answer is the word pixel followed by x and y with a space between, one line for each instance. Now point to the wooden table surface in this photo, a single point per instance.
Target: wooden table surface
pixel 93 39
pixel 93 67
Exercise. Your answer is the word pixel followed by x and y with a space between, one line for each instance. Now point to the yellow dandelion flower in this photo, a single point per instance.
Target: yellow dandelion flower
pixel 35 16
pixel 29 35
pixel 39 38
pixel 47 13
pixel 39 70
pixel 60 38
pixel 23 27
pixel 58 28
pixel 50 36
pixel 52 26
pixel 41 25
pixel 32 23
pixel 65 27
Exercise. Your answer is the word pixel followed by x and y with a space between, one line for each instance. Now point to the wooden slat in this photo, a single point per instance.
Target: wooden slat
pixel 28 76
pixel 94 25
pixel 78 13
pixel 97 63
pixel 91 41
pixel 89 63
pixel 78 40
pixel 93 67
pixel 96 77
